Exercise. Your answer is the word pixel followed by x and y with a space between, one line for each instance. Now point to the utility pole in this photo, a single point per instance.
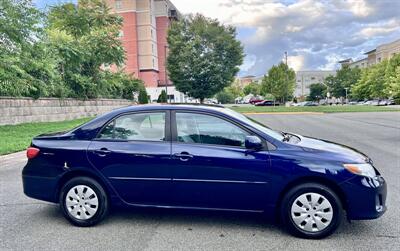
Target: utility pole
pixel 286 75
pixel 346 94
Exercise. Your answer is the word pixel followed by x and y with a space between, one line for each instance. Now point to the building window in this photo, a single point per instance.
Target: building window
pixel 151 32
pixel 152 49
pixel 312 78
pixel 171 97
pixel 118 4
pixel 154 65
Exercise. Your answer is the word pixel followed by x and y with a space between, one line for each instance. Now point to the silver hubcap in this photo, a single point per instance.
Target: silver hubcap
pixel 81 202
pixel 312 212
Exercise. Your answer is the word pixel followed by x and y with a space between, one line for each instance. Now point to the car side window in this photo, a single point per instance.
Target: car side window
pixel 138 126
pixel 207 129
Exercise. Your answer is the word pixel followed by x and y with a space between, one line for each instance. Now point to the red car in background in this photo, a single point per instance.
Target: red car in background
pixel 255 100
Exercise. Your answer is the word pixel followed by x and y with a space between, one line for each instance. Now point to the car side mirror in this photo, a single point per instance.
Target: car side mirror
pixel 253 143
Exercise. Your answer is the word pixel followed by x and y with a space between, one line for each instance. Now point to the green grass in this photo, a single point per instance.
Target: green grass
pixel 14 138
pixel 325 109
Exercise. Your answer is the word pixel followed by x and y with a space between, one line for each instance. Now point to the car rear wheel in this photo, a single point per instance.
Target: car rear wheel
pixel 311 210
pixel 83 201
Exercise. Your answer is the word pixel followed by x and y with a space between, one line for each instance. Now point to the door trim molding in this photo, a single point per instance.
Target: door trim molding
pixel 135 178
pixel 190 180
pixel 222 181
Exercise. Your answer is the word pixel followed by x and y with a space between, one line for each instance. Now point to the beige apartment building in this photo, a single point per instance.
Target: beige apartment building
pixel 306 78
pixel 377 55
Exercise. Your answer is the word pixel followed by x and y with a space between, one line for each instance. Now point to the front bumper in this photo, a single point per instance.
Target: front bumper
pixel 366 197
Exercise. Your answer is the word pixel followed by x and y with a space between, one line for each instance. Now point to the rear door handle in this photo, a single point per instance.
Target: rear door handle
pixel 102 152
pixel 183 156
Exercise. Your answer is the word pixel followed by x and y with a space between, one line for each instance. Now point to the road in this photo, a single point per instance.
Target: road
pixel 27 224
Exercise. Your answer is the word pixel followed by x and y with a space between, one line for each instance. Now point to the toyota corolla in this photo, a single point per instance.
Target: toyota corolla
pixel 202 157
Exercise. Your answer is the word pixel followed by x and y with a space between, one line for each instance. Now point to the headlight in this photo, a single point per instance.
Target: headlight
pixel 361 169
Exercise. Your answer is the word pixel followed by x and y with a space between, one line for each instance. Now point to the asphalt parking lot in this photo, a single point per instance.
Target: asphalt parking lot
pixel 27 224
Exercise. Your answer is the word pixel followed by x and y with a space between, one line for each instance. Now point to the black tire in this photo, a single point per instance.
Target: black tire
pixel 103 204
pixel 294 193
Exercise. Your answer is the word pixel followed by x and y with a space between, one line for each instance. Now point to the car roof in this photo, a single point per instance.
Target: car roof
pixel 174 106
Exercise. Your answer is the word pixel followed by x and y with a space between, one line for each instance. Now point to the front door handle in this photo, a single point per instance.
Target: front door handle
pixel 183 156
pixel 102 152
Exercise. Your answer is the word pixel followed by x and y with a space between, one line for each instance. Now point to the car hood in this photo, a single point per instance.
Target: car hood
pixel 341 152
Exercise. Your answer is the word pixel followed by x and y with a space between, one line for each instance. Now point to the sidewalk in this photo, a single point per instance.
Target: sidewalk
pixel 13 158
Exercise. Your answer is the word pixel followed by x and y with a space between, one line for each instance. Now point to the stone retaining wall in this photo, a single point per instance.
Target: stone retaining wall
pixel 24 110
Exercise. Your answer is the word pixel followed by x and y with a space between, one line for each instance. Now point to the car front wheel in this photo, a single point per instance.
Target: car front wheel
pixel 83 201
pixel 312 211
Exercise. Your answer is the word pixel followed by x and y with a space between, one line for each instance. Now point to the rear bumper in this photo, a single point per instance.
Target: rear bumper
pixel 41 188
pixel 366 197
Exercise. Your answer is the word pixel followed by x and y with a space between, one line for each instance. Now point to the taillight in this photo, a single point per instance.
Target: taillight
pixel 32 152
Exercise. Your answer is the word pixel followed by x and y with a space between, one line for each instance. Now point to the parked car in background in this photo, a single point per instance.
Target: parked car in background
pixel 309 103
pixel 204 158
pixel 267 103
pixel 255 100
pixel 375 102
pixel 306 103
pixel 211 101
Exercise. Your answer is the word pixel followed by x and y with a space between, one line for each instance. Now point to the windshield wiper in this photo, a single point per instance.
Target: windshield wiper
pixel 286 137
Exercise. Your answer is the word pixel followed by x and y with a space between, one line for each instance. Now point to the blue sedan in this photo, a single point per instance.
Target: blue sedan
pixel 202 157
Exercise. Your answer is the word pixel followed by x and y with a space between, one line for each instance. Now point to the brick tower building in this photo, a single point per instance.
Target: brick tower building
pixel 144 37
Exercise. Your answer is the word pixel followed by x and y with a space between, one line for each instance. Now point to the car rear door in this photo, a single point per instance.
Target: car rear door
pixel 133 152
pixel 211 166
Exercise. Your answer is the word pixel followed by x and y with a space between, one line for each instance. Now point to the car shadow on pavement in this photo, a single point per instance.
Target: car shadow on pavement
pixel 192 219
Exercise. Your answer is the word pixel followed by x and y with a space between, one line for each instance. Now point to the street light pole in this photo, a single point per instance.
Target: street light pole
pixel 346 94
pixel 165 69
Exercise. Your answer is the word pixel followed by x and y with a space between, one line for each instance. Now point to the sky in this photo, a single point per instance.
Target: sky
pixel 315 33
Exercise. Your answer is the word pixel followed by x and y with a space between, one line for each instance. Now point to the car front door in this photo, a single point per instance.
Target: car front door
pixel 211 166
pixel 133 152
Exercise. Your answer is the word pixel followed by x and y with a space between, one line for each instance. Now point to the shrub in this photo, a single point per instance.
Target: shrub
pixel 163 97
pixel 143 99
pixel 225 97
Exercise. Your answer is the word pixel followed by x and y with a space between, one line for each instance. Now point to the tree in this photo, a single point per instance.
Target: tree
pixel 392 76
pixel 395 86
pixel 204 56
pixel 27 65
pixel 375 81
pixel 143 98
pixel 19 25
pixel 86 38
pixel 280 82
pixel 225 97
pixel 252 88
pixel 317 91
pixel 346 77
pixel 162 98
pixel 361 89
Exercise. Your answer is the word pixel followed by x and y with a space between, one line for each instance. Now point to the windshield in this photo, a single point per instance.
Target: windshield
pixel 274 134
